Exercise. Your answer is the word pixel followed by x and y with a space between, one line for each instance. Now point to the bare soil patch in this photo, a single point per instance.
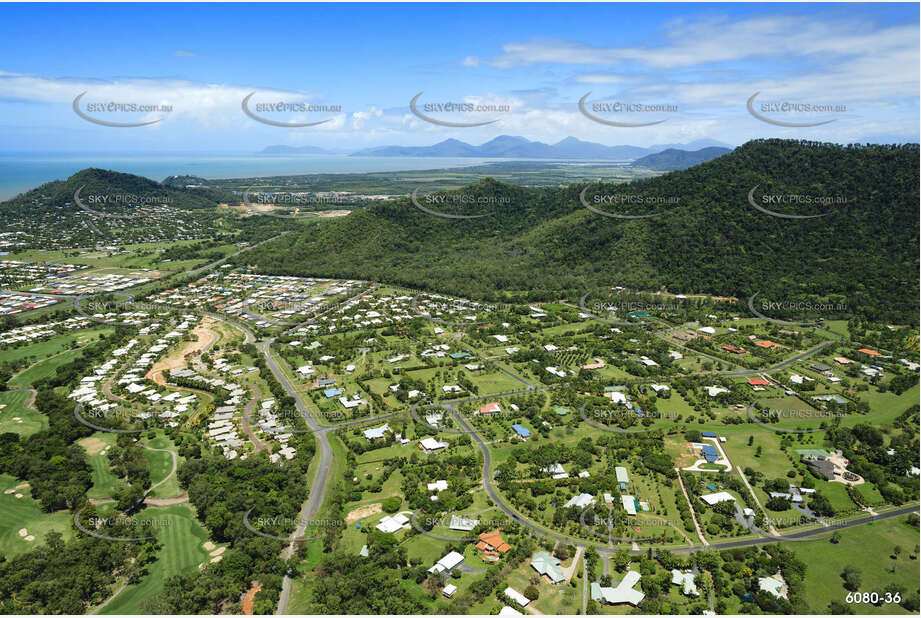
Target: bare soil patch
pixel 362 512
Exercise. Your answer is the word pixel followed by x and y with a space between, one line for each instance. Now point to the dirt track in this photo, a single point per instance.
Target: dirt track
pixel 204 337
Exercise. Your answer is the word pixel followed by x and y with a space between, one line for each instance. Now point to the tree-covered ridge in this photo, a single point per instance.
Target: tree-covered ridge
pixel 97 181
pixel 543 243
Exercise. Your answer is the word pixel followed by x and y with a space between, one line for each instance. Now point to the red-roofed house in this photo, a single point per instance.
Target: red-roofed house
pixel 869 352
pixel 492 545
pixel 759 382
pixel 490 408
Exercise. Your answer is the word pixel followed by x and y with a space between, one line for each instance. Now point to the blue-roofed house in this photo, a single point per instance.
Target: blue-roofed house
pixel 710 453
pixel 708 434
pixel 523 432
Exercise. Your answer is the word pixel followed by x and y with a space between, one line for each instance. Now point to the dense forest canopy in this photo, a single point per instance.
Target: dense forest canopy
pixel 543 243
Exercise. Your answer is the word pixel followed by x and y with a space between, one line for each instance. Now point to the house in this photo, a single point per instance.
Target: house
pixel 716 498
pixel 629 504
pixel 447 563
pixel 823 467
pixel 686 580
pixel 465 524
pixel 491 545
pixel 759 382
pixel 556 471
pixel 734 350
pixel 713 391
pixel 622 478
pixel 709 453
pixel 708 434
pixel 774 586
pixel 437 486
pixel 838 399
pixel 516 596
pixel 490 408
pixel 869 352
pixel 509 611
pixel 581 501
pixel 707 330
pixel 767 344
pixel 820 367
pixel 843 361
pixel 430 445
pixel 449 591
pixel 332 392
pixel 390 524
pixel 501 338
pixel 548 566
pixel 523 432
pixel 624 592
pixel 376 433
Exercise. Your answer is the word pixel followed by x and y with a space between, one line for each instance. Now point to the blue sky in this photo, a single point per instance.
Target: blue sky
pixel 703 60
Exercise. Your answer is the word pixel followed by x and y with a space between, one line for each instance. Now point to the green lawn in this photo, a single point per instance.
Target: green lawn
pixel 43 369
pixel 17 513
pixel 160 465
pixel 182 552
pixel 48 347
pixel 868 547
pixel 104 481
pixel 29 422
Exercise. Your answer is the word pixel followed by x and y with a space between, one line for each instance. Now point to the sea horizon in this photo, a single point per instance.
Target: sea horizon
pixel 21 172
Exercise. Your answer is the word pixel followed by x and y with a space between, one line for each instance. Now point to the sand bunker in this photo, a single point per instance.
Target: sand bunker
pixel 208 546
pixel 93 446
pixel 218 551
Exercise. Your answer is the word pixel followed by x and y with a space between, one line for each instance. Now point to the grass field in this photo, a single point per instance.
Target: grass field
pixel 30 421
pixel 869 548
pixel 181 552
pixel 160 465
pixel 104 481
pixel 17 513
pixel 43 369
pixel 42 350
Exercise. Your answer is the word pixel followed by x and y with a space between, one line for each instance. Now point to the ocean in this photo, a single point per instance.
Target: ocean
pixel 21 172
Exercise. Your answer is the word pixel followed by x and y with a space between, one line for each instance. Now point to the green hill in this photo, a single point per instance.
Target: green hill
pixel 543 243
pixel 97 181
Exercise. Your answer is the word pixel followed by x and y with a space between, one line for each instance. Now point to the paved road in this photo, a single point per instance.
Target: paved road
pixel 323 462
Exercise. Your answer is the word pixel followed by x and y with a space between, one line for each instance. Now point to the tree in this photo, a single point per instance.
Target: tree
pixel 852 578
pixel 391 504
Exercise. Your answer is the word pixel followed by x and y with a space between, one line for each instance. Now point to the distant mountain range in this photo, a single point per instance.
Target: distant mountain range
pixel 510 147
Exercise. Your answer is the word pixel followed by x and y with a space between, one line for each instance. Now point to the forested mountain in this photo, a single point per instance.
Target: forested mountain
pixel 57 194
pixel 675 159
pixel 544 242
